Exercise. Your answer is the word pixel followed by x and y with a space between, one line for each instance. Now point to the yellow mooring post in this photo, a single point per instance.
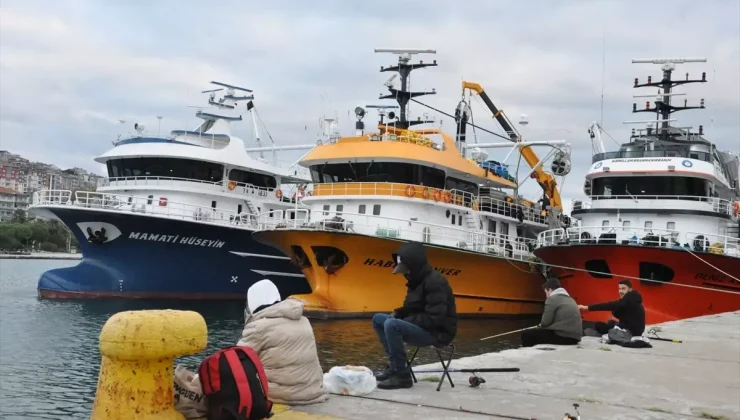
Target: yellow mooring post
pixel 138 349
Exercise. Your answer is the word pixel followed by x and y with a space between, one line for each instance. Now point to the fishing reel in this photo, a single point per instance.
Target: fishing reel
pixel 576 417
pixel 476 381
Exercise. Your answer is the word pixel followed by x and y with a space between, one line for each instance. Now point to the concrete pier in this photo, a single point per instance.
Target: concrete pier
pixel 698 378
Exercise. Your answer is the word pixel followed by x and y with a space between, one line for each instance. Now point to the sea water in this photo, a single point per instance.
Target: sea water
pixel 49 357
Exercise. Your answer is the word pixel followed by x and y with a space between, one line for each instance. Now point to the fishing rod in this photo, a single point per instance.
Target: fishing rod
pixel 481 370
pixel 507 333
pixel 653 335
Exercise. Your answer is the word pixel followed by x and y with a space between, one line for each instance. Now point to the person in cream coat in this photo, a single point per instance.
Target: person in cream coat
pixel 284 341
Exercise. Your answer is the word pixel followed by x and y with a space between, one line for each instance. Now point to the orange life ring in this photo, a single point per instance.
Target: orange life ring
pixel 736 207
pixel 425 193
pixel 437 195
pixel 410 191
pixel 279 194
pixel 448 196
pixel 232 185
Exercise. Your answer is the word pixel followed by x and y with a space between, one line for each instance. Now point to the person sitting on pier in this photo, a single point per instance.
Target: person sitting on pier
pixel 428 316
pixel 628 310
pixel 561 321
pixel 284 341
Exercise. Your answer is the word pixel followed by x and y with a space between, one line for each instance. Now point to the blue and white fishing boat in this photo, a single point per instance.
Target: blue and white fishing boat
pixel 175 216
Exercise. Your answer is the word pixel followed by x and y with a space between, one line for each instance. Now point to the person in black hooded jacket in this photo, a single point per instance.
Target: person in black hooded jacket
pixel 428 316
pixel 628 310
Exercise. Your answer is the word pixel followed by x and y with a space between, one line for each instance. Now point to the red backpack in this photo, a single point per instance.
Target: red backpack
pixel 235 385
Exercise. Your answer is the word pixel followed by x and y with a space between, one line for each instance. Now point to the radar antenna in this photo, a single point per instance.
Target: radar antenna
pixel 663 107
pixel 404 69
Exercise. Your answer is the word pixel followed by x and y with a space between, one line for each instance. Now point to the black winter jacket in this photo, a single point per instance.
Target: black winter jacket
pixel 429 302
pixel 628 310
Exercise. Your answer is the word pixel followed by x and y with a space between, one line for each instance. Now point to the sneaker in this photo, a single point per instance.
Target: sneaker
pixel 382 376
pixel 397 380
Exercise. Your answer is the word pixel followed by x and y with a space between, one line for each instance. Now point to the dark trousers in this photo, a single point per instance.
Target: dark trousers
pixel 604 327
pixel 535 336
pixel 393 332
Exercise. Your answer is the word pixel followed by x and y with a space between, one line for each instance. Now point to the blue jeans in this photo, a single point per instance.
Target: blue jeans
pixel 393 332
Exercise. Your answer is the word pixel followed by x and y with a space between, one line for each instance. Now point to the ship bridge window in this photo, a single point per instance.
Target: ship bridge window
pixel 254 178
pixel 650 186
pixel 398 172
pixel 165 167
pixel 459 184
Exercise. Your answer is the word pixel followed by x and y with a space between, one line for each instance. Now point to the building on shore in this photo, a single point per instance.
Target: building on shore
pixel 11 201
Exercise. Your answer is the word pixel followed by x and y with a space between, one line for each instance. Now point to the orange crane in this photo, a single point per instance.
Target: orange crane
pixel 546 180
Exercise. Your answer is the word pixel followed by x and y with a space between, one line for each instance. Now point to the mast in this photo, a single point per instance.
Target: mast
pixel 403 96
pixel 663 107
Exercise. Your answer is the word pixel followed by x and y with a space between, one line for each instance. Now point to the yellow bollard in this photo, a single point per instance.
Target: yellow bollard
pixel 138 349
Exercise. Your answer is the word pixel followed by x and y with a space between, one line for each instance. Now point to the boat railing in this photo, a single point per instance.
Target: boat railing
pixel 666 238
pixel 158 206
pixel 51 197
pixel 482 203
pixel 714 204
pixel 388 227
pixel 228 186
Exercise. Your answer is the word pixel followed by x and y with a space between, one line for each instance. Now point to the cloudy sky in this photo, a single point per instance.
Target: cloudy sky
pixel 70 69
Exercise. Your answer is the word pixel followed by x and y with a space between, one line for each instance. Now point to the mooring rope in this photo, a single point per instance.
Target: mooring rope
pixel 707 263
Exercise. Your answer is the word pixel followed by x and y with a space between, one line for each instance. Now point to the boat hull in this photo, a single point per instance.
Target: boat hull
pixel 156 257
pixel 687 286
pixel 483 285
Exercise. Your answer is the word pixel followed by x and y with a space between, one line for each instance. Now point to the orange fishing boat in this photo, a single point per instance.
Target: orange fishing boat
pixel 374 191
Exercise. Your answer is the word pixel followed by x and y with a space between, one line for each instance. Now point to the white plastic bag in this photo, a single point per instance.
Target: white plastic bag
pixel 189 398
pixel 349 380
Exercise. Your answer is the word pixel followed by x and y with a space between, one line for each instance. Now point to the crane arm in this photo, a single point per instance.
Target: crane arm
pixel 546 180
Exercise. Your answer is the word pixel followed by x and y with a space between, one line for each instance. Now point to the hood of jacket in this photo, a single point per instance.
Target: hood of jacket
pixel 414 257
pixel 559 291
pixel 633 296
pixel 289 308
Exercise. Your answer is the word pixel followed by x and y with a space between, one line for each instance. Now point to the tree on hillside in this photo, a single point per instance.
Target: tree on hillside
pixel 19 216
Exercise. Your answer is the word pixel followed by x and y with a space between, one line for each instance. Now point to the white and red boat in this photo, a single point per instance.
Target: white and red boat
pixel 661 211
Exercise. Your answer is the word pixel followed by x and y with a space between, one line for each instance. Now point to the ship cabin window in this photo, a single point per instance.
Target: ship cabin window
pixel 376 210
pixel 340 209
pixel 361 209
pixel 650 186
pixel 165 167
pixel 396 172
pixel 604 224
pixel 149 199
pixel 213 204
pixel 254 178
pixel 459 220
pixel 326 209
pixel 459 184
pixel 238 209
pixel 648 225
pixel 453 219
pixel 670 225
pixel 626 224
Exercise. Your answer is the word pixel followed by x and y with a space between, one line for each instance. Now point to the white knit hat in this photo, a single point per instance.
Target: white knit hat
pixel 264 292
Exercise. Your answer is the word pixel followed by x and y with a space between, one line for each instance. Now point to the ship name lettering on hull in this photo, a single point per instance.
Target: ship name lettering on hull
pixel 390 264
pixel 715 278
pixel 185 240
